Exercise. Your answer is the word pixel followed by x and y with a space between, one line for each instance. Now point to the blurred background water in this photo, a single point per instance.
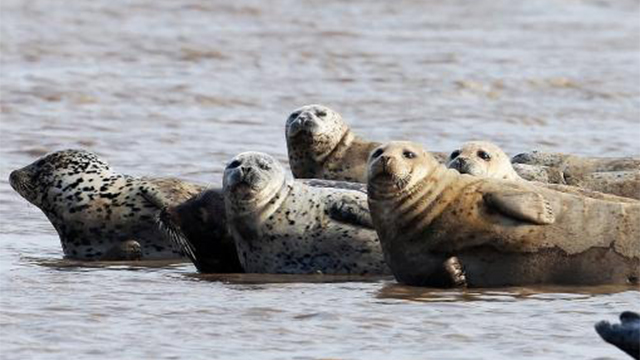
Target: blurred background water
pixel 178 87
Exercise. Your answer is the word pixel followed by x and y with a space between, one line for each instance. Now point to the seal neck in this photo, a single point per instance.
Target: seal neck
pixel 413 209
pixel 266 203
pixel 339 150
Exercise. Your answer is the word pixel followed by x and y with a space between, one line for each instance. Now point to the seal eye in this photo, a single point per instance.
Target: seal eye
pixel 294 115
pixel 234 164
pixel 455 154
pixel 321 113
pixel 376 153
pixel 484 155
pixel 264 166
pixel 409 154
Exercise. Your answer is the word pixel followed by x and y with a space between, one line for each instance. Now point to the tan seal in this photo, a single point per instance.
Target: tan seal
pixel 482 159
pixel 485 159
pixel 322 146
pixel 501 233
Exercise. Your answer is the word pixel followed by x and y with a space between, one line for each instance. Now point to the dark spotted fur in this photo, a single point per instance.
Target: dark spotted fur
pixel 94 209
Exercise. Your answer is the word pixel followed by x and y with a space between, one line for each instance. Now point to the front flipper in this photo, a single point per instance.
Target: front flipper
pixel 526 206
pixel 165 221
pixel 125 250
pixel 351 210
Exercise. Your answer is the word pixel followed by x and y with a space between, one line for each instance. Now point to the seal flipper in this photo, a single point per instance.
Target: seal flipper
pixel 522 205
pixel 165 221
pixel 125 250
pixel 350 210
pixel 625 336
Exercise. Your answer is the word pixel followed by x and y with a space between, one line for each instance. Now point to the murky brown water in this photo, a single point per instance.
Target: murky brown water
pixel 178 87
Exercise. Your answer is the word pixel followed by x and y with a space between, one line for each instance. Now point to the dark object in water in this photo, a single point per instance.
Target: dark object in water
pixel 626 335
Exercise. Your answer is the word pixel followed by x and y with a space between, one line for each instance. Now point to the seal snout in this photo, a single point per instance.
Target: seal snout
pixel 13 178
pixel 19 181
pixel 306 122
pixel 461 164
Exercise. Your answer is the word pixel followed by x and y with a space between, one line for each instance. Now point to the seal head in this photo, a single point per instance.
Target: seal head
pixel 251 178
pixel 42 180
pixel 317 128
pixel 482 159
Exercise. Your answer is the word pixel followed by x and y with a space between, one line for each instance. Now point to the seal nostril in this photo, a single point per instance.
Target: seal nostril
pixel 234 164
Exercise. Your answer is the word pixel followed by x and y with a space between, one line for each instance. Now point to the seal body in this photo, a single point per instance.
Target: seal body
pixel 99 214
pixel 292 227
pixel 322 146
pixel 199 227
pixel 484 159
pixel 618 176
pixel 502 233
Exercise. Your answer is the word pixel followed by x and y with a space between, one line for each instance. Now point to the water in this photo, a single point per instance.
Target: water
pixel 178 88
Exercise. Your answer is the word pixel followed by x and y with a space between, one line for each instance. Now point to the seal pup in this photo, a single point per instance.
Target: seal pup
pixel 484 159
pixel 290 227
pixel 321 145
pixel 502 233
pixel 98 213
pixel 625 336
pixel 198 226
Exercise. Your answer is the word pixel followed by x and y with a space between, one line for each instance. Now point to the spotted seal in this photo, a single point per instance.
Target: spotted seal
pixel 618 176
pixel 625 336
pixel 98 213
pixel 501 232
pixel 484 159
pixel 321 145
pixel 286 226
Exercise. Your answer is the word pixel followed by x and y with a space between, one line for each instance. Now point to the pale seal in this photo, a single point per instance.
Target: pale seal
pixel 322 146
pixel 98 213
pixel 484 159
pixel 502 233
pixel 619 176
pixel 625 336
pixel 199 227
pixel 286 226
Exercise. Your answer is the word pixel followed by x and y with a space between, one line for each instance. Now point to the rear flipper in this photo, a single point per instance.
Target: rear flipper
pixel 626 335
pixel 454 268
pixel 126 250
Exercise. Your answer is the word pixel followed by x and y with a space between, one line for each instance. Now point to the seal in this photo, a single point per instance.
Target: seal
pixel 198 226
pixel 484 159
pixel 502 233
pixel 291 227
pixel 98 213
pixel 619 176
pixel 322 146
pixel 625 336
